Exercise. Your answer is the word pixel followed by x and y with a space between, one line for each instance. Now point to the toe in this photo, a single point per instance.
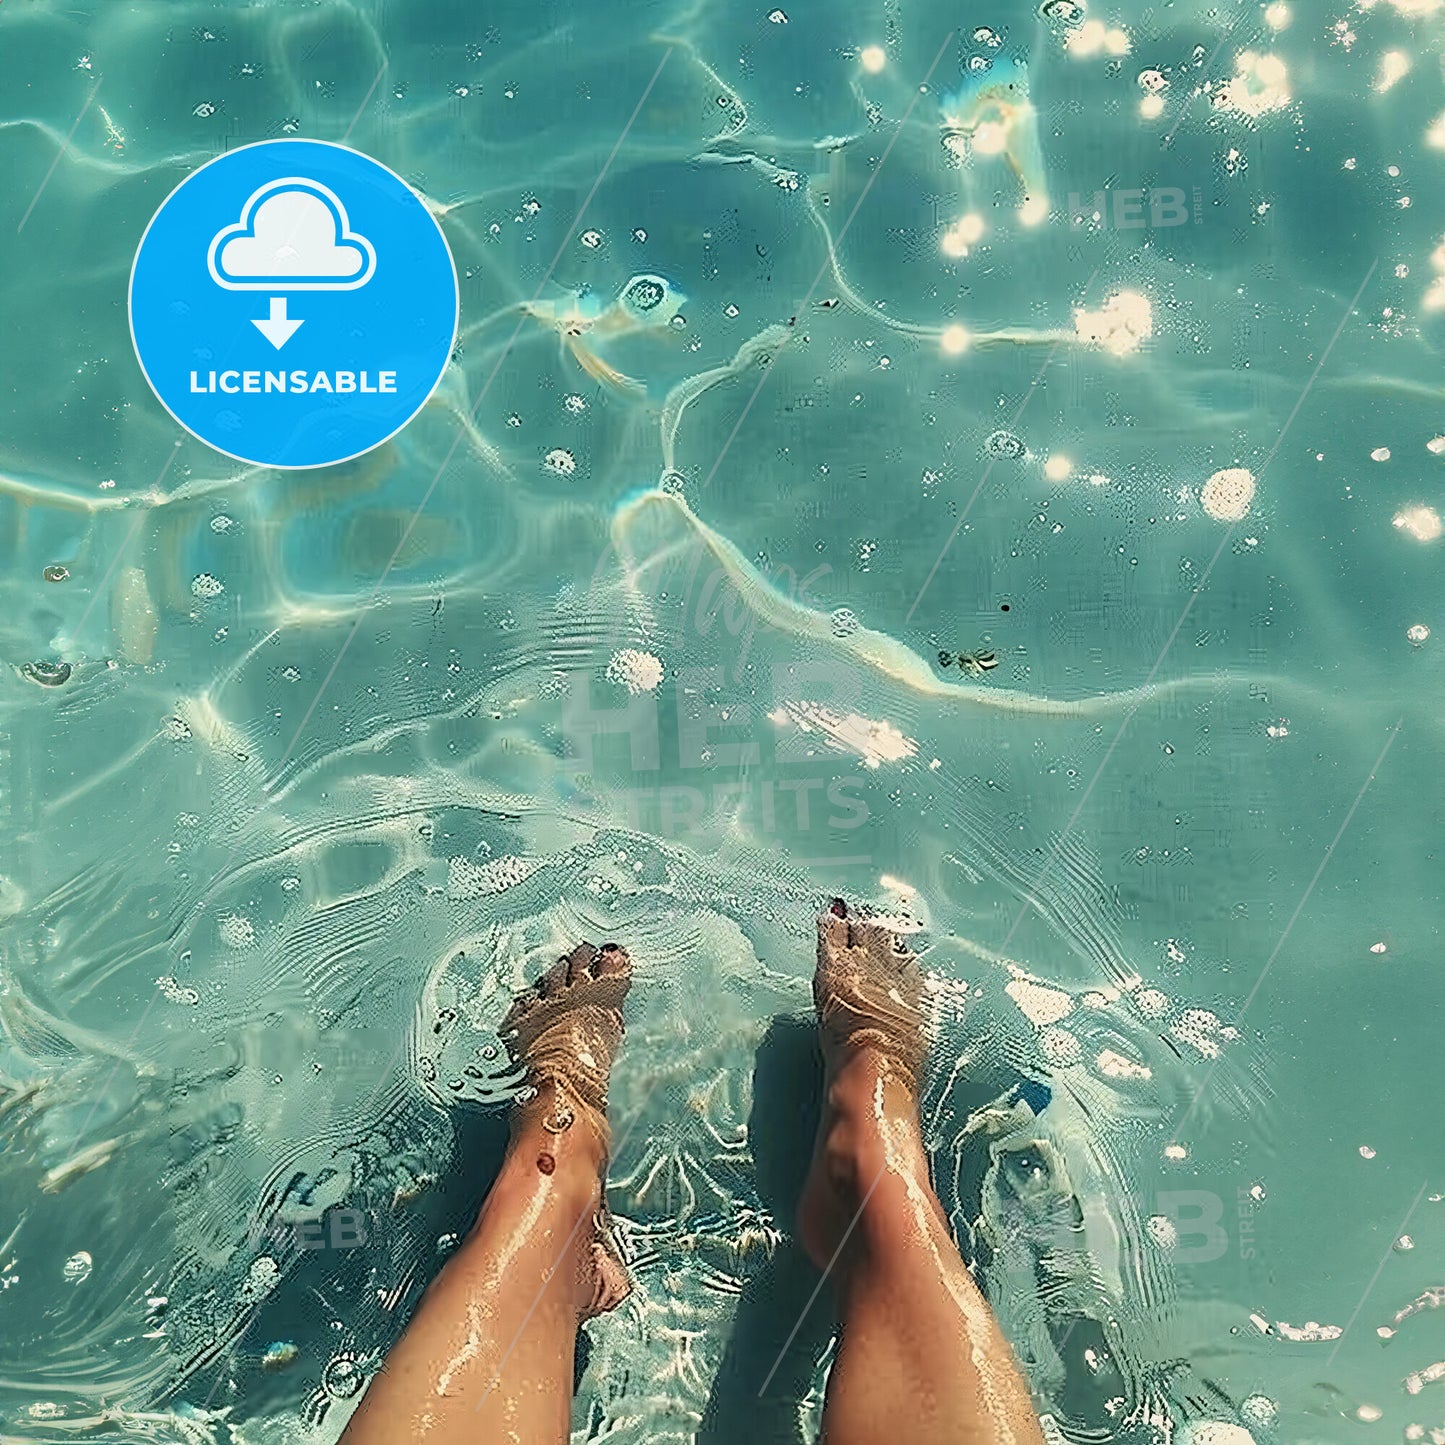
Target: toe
pixel 610 1284
pixel 579 962
pixel 877 940
pixel 612 962
pixel 832 935
pixel 555 979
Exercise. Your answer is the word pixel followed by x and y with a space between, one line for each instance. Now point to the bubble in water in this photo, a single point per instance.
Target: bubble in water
pixel 1259 1411
pixel 1161 1230
pixel 984 36
pixel 279 1355
pixel 174 992
pixel 1152 81
pixel 636 671
pixel 646 293
pixel 222 523
pixel 560 461
pixel 1066 12
pixel 591 239
pixel 237 931
pixel 778 17
pixel 575 404
pixel 844 621
pixel 1228 494
pixel 1121 325
pixel 205 586
pixel 174 730
pixel 673 483
pixel 56 573
pixel 1151 1003
pixel 47 674
pixel 342 1377
pixel 1418 633
pixel 1004 444
pixel 77 1268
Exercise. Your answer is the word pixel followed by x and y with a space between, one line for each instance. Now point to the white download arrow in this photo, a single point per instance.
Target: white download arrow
pixel 276 328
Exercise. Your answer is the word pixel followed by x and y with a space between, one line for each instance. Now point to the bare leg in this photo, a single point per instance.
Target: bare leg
pixel 920 1356
pixel 489 1353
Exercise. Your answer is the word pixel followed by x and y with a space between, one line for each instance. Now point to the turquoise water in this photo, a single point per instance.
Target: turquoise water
pixel 344 756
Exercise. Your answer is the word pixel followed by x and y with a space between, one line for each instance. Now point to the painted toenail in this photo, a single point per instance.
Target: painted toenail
pixel 838 908
pixel 610 948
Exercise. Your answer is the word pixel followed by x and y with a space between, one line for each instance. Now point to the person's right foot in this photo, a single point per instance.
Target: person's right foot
pixel 566 1030
pixel 868 989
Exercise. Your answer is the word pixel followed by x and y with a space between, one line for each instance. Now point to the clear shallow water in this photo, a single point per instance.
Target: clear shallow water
pixel 262 907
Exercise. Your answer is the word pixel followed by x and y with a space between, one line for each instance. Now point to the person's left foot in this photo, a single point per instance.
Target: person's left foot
pixel 868 989
pixel 566 1030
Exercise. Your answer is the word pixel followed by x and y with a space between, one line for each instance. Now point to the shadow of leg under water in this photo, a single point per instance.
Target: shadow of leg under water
pixel 787 1099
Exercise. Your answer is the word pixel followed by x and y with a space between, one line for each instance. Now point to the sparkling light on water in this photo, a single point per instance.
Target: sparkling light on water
pixel 1227 495
pixel 1422 523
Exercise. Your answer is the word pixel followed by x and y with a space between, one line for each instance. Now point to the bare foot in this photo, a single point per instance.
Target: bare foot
pixel 566 1029
pixel 868 989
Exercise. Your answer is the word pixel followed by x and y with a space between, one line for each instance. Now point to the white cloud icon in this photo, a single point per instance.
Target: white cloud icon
pixel 293 235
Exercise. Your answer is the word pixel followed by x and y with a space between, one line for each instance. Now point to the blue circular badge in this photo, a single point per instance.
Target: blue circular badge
pixel 293 303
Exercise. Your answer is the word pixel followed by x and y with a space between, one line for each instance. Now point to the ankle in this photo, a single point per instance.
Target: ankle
pixel 554 1137
pixel 872 1124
